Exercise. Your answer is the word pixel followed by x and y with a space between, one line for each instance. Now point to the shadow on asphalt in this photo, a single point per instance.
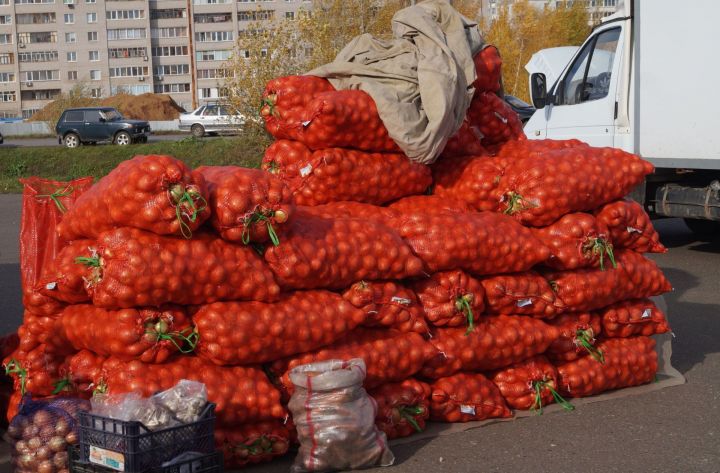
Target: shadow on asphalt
pixel 10 297
pixel 694 325
pixel 674 234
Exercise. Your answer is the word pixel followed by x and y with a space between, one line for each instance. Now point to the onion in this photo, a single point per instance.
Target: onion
pixel 71 438
pixel 27 461
pixel 42 417
pixel 34 443
pixel 46 467
pixel 31 431
pixel 46 431
pixel 43 453
pixel 21 447
pixel 62 428
pixel 57 444
pixel 281 216
pixel 14 431
pixel 61 460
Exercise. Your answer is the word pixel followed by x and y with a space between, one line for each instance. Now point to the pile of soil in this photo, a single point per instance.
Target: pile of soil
pixel 141 107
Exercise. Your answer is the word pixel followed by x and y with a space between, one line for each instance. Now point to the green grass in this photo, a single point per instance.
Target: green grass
pixel 64 164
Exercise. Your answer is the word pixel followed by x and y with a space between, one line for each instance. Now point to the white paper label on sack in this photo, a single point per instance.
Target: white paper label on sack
pixel 501 118
pixel 304 171
pixel 524 302
pixel 467 409
pixel 400 300
pixel 51 286
pixel 108 459
pixel 633 230
pixel 647 313
pixel 306 123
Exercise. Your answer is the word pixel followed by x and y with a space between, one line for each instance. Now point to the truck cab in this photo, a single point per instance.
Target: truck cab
pixel 645 81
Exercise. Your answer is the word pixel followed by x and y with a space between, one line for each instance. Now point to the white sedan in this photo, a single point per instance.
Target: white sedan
pixel 211 118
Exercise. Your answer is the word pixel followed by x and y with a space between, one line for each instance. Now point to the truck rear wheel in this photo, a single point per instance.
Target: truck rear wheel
pixel 705 229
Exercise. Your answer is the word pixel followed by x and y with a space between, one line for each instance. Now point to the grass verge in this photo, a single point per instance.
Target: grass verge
pixel 64 164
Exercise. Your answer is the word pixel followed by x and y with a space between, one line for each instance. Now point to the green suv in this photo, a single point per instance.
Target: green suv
pixel 93 124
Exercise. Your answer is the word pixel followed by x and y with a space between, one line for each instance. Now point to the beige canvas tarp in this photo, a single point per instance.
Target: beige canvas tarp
pixel 421 80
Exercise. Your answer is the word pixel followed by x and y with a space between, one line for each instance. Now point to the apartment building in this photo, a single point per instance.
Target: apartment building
pixel 597 9
pixel 174 47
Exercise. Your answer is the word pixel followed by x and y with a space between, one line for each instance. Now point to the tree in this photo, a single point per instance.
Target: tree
pixel 521 30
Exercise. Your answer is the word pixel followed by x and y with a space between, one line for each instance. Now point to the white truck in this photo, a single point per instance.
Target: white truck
pixel 646 81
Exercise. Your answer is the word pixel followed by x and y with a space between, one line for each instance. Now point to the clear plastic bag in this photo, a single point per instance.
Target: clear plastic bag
pixel 41 432
pixel 181 404
pixel 335 418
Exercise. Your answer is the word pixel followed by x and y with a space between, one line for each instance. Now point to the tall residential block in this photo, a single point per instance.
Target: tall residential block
pixel 174 47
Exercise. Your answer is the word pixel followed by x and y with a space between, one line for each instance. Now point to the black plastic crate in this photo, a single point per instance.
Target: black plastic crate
pixel 133 448
pixel 210 463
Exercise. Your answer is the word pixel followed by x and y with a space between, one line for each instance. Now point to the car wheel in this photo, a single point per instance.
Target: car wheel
pixel 197 130
pixel 123 138
pixel 707 230
pixel 71 140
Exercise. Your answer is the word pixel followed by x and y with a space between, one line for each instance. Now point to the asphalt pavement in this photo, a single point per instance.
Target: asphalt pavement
pixel 11 142
pixel 671 430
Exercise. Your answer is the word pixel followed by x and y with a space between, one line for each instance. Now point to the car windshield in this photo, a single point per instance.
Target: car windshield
pixel 111 115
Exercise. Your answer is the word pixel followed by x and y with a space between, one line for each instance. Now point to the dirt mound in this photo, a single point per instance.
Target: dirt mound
pixel 140 107
pixel 145 106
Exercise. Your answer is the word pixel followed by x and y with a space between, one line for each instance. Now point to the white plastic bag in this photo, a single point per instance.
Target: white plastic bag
pixel 335 418
pixel 181 404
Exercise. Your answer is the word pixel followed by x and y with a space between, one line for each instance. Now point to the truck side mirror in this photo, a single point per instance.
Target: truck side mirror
pixel 538 89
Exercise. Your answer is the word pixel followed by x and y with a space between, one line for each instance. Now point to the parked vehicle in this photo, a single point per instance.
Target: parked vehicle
pixel 87 125
pixel 2 140
pixel 211 118
pixel 636 85
pixel 523 109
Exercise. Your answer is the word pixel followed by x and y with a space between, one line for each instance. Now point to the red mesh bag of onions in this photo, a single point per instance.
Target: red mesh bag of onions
pixel 41 432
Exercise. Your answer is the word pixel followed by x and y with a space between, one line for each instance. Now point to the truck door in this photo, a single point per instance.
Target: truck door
pixel 584 97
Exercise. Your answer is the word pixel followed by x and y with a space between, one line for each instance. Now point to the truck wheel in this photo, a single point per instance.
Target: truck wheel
pixel 197 130
pixel 123 138
pixel 704 229
pixel 71 140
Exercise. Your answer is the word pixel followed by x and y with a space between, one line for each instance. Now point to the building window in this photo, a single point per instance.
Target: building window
pixel 94 55
pixel 170 51
pixel 214 36
pixel 212 17
pixel 289 15
pixel 126 33
pixel 96 93
pixel 168 13
pixel 29 112
pixel 5 38
pixel 39 37
pixel 7 77
pixel 48 94
pixel 172 88
pixel 91 17
pixel 95 74
pixel 127 52
pixel 171 70
pixel 213 73
pixel 610 3
pixel 130 89
pixel 31 18
pixel 170 32
pixel 129 71
pixel 92 36
pixel 38 76
pixel 32 2
pixel 72 75
pixel 125 14
pixel 38 56
pixel 70 37
pixel 69 18
pixel 210 2
pixel 215 55
pixel 71 56
pixel 7 96
pixel 68 2
pixel 7 58
pixel 89 1
pixel 258 15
